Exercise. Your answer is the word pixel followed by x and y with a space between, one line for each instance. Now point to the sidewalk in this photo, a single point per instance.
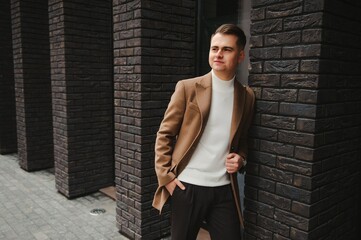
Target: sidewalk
pixel 31 208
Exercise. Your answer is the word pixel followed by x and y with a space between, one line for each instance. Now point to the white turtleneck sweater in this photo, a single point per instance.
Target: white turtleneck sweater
pixel 207 164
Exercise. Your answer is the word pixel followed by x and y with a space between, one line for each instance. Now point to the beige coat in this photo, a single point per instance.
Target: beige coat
pixel 183 124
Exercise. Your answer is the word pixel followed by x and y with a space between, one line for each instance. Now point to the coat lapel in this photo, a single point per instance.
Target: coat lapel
pixel 204 96
pixel 238 107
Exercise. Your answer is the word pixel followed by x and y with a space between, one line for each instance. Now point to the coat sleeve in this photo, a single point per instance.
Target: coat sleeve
pixel 167 134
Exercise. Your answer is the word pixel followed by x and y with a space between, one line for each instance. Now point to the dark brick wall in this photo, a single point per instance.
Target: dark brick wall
pixel 153 48
pixel 339 125
pixel 30 35
pixel 304 170
pixel 82 90
pixel 8 143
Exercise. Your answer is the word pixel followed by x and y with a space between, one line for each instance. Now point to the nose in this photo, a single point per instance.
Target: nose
pixel 219 53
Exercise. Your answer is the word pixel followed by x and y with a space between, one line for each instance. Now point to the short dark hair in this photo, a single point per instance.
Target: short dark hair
pixel 232 29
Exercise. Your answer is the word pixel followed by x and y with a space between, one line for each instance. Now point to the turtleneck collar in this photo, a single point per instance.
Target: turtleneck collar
pixel 222 84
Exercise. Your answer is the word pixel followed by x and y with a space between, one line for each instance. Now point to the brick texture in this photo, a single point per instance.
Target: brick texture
pixel 8 143
pixel 304 170
pixel 82 91
pixel 30 37
pixel 153 48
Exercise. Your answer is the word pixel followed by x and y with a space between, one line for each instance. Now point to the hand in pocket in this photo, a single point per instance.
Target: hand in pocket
pixel 173 184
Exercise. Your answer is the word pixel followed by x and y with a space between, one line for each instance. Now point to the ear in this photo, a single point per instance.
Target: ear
pixel 241 56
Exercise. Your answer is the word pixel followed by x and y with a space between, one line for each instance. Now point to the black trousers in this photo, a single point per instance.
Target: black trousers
pixel 195 204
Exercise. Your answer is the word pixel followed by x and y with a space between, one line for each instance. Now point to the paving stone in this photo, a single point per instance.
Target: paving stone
pixel 32 209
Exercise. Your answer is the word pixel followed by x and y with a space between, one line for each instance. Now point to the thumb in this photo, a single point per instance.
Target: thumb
pixel 230 155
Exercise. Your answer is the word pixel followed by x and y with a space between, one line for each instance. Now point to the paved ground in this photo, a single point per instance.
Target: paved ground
pixel 31 208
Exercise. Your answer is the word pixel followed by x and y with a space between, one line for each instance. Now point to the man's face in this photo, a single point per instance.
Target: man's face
pixel 225 55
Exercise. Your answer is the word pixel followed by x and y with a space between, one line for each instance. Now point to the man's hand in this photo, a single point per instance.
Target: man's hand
pixel 173 184
pixel 234 162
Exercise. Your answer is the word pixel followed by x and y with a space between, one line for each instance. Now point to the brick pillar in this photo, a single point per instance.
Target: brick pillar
pixel 30 34
pixel 153 48
pixel 82 88
pixel 7 93
pixel 339 121
pixel 304 170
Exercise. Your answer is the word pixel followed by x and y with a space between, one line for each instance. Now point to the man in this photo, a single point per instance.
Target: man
pixel 202 144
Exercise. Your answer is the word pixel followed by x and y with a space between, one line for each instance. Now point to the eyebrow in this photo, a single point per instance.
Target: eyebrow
pixel 223 48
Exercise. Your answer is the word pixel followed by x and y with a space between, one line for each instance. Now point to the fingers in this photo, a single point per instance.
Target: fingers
pixel 179 184
pixel 233 162
pixel 232 168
